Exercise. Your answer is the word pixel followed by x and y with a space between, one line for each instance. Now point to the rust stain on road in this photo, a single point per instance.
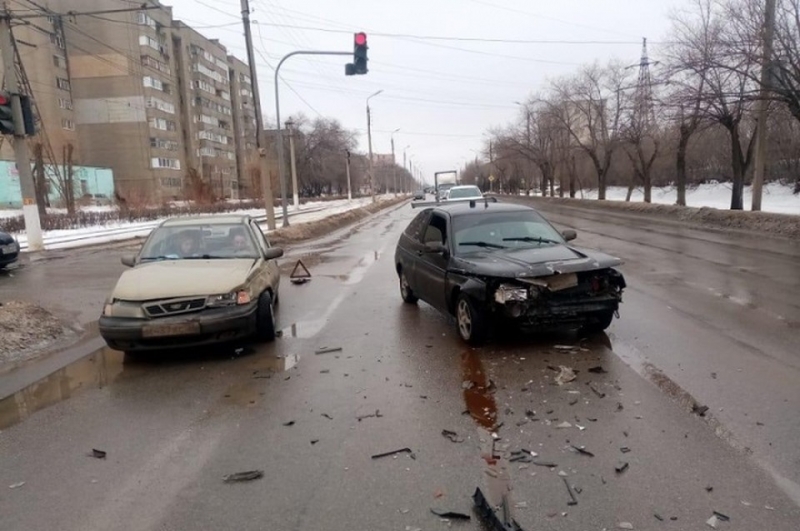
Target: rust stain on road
pixel 478 395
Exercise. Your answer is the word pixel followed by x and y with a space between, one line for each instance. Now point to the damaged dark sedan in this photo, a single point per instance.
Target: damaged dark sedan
pixel 490 264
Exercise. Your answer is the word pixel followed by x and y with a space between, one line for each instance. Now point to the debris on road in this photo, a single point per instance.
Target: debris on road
pixel 625 525
pixel 565 375
pixel 595 390
pixel 573 500
pixel 621 467
pixel 582 450
pixel 327 350
pixel 489 517
pixel 16 485
pixel 452 436
pixel 548 464
pixel 565 347
pixel 625 450
pixel 98 454
pixel 327 416
pixel 451 515
pixel 620 407
pixel 709 488
pixel 658 517
pixel 290 423
pixel 250 475
pixel 377 414
pixel 314 441
pixel 395 452
pixel 722 517
pixel 712 522
pixel 598 370
pixel 699 410
pixel 564 425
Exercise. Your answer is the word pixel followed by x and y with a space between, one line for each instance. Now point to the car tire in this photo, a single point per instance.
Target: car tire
pixel 471 322
pixel 405 290
pixel 265 318
pixel 598 322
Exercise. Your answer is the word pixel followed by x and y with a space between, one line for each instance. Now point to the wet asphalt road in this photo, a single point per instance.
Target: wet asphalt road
pixel 173 426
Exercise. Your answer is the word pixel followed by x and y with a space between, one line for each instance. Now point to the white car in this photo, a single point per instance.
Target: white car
pixel 463 193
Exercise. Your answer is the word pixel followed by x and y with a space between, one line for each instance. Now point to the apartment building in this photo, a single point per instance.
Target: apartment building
pixel 244 124
pixel 43 52
pixel 204 88
pixel 142 94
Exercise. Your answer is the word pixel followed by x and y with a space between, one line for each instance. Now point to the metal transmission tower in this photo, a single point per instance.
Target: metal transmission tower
pixel 644 111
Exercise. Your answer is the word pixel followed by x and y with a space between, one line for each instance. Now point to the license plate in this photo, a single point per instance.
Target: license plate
pixel 167 330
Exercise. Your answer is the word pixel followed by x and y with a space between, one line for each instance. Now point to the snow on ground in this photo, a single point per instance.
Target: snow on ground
pixel 120 231
pixel 776 198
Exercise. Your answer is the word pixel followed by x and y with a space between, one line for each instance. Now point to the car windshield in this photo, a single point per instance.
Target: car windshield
pixel 201 241
pixel 500 230
pixel 461 193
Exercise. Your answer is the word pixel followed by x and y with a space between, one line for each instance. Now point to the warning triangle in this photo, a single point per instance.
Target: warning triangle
pixel 303 273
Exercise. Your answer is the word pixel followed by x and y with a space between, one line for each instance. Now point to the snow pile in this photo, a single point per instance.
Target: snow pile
pixel 776 198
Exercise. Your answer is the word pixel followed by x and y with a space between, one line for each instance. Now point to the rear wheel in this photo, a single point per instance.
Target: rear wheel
pixel 598 322
pixel 470 321
pixel 265 318
pixel 405 290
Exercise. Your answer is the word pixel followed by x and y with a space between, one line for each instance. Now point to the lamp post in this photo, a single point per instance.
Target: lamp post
pixel 405 166
pixel 295 194
pixel 369 142
pixel 394 163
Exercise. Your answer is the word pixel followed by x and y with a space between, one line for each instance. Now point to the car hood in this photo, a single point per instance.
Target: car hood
pixel 533 262
pixel 5 238
pixel 181 278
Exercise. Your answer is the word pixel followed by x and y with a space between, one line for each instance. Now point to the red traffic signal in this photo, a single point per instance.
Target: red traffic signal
pixel 361 39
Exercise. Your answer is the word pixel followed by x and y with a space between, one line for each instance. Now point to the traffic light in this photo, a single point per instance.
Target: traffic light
pixel 6 115
pixel 359 64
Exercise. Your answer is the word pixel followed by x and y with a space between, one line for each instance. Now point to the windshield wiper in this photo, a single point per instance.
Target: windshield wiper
pixel 484 244
pixel 532 239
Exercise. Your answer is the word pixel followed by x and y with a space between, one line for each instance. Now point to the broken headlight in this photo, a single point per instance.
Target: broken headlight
pixel 508 293
pixel 234 298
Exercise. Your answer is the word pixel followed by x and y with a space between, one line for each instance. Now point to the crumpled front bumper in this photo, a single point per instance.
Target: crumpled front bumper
pixel 190 330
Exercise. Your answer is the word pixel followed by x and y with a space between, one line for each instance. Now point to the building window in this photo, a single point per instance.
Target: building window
pixel 244 78
pixel 60 61
pixel 162 125
pixel 146 40
pixel 205 86
pixel 171 182
pixel 163 162
pixel 212 136
pixel 161 105
pixel 145 20
pixel 57 40
pixel 225 95
pixel 163 143
pixel 155 64
pixel 223 64
pixel 208 120
pixel 153 83
pixel 65 103
pixel 69 125
pixel 62 83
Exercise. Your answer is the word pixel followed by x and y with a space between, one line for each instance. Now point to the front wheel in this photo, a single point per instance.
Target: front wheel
pixel 470 321
pixel 265 318
pixel 598 322
pixel 405 290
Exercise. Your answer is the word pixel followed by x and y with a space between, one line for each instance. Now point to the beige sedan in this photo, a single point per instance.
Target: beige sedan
pixel 196 281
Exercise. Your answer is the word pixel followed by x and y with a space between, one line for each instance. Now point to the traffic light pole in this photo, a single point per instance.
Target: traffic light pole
pixel 281 163
pixel 33 228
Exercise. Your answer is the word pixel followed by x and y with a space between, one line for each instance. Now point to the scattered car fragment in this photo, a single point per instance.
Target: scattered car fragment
pixel 492 263
pixel 250 475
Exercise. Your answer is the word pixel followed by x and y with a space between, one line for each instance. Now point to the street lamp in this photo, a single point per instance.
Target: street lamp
pixel 405 167
pixel 394 163
pixel 369 141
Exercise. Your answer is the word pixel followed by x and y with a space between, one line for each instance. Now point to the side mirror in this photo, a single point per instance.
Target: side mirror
pixel 569 235
pixel 437 248
pixel 272 253
pixel 128 260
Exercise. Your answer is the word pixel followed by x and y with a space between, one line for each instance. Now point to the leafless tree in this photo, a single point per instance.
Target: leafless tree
pixel 591 112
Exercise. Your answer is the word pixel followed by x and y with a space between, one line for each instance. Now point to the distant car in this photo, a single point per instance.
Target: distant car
pixel 442 189
pixel 9 250
pixel 419 195
pixel 490 263
pixel 464 193
pixel 196 281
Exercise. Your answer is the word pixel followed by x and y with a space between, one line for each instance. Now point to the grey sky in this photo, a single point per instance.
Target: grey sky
pixel 442 96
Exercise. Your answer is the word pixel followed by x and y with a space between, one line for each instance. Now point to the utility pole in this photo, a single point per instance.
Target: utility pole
pixel 295 194
pixel 33 228
pixel 261 138
pixel 349 191
pixel 763 104
pixel 394 164
pixel 369 141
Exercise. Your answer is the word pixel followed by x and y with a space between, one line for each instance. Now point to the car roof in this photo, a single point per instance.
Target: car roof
pixel 226 219
pixel 466 208
pixel 462 186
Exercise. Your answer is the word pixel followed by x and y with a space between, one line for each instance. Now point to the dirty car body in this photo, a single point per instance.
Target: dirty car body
pixel 493 263
pixel 196 281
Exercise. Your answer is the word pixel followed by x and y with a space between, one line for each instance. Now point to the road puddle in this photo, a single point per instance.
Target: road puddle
pixel 97 370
